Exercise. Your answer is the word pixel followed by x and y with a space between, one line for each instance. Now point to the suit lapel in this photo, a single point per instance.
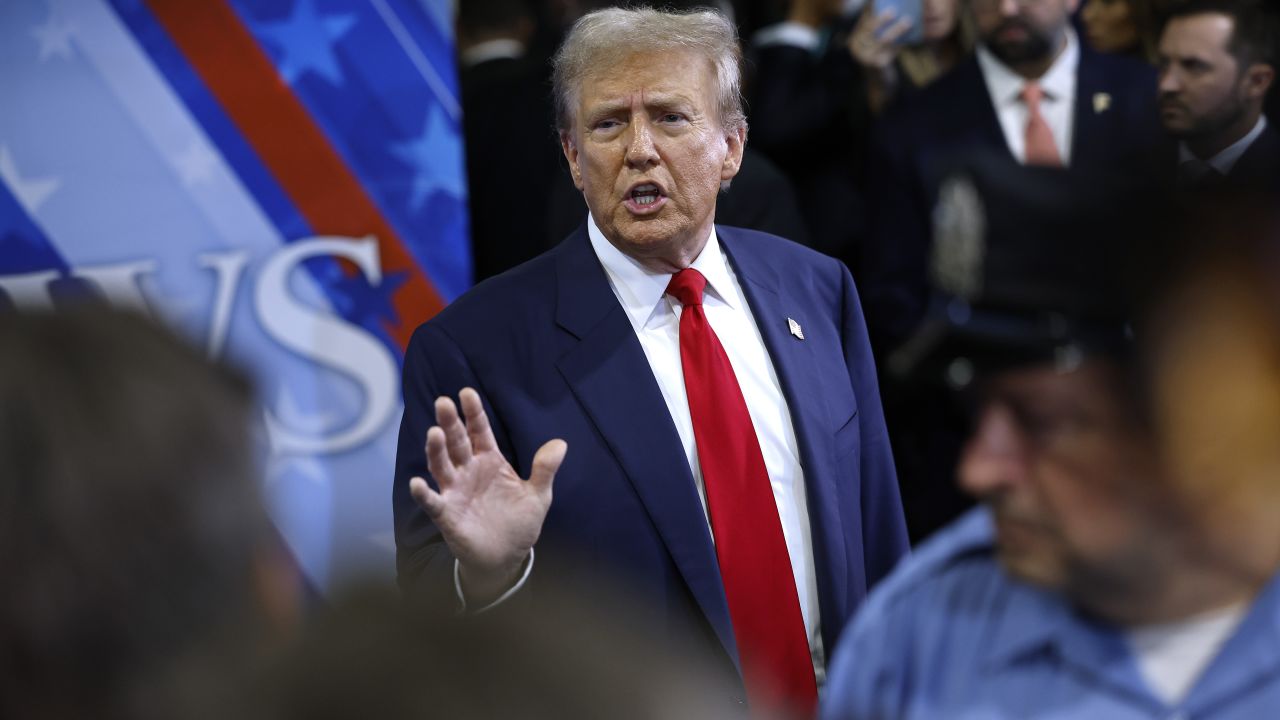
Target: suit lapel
pixel 773 304
pixel 1088 144
pixel 610 376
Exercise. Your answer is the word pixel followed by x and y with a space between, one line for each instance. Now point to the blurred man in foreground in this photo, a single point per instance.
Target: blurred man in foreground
pixel 1089 584
pixel 139 568
pixel 709 390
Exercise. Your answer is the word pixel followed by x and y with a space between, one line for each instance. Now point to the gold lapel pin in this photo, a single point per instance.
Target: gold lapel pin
pixel 1101 102
pixel 795 328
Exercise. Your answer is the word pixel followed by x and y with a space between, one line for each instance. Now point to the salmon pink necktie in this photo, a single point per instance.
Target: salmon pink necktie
pixel 1041 149
pixel 755 566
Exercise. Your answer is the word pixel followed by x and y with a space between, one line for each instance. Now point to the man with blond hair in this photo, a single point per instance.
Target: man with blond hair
pixel 703 396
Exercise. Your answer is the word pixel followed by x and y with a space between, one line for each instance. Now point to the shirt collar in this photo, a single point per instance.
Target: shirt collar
pixel 641 290
pixel 502 48
pixel 1058 82
pixel 1227 158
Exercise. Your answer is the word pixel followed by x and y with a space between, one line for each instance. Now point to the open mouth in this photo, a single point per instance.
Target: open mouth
pixel 645 198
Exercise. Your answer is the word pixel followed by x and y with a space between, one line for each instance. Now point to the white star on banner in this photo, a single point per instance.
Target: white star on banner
pixel 31 193
pixel 54 37
pixel 196 164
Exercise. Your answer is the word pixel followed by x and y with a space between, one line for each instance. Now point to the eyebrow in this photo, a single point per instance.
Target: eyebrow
pixel 661 101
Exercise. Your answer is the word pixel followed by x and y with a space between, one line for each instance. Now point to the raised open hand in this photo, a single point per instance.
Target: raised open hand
pixel 488 515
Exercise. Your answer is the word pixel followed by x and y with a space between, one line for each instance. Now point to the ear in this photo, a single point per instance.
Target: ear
pixel 736 140
pixel 570 149
pixel 1257 80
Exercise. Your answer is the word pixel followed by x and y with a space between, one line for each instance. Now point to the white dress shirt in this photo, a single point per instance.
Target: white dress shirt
pixel 655 316
pixel 1172 657
pixel 1057 106
pixel 1230 155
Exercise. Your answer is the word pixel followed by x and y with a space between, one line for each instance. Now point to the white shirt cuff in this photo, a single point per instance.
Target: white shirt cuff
pixel 788 33
pixel 462 600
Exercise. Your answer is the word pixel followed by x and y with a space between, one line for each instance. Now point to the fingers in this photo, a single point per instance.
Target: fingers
pixel 546 462
pixel 429 499
pixel 455 433
pixel 438 461
pixel 477 421
pixel 884 18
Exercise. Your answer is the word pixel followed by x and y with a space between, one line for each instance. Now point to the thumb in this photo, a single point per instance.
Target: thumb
pixel 546 462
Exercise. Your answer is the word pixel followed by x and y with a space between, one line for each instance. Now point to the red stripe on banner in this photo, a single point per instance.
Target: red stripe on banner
pixel 294 149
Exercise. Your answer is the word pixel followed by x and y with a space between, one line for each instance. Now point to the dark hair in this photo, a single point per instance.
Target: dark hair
pixel 1253 35
pixel 129 514
pixel 477 17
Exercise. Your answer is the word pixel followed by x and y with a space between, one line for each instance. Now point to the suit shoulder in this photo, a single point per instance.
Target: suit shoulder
pixel 508 298
pixel 775 247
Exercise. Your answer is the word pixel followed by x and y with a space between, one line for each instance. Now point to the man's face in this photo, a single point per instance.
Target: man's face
pixel 1200 81
pixel 1021 31
pixel 649 153
pixel 1067 474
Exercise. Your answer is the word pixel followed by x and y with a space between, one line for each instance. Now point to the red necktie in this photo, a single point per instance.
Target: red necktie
pixel 755 566
pixel 1041 149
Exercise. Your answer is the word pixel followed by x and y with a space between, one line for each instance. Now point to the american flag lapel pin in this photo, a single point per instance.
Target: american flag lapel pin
pixel 795 328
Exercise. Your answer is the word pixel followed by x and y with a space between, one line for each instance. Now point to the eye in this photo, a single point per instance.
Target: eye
pixel 672 118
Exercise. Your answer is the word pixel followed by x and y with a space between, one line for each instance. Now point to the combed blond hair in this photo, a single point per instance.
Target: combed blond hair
pixel 604 37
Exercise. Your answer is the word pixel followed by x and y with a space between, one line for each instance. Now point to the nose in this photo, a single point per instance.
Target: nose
pixel 1009 8
pixel 1168 81
pixel 641 151
pixel 994 459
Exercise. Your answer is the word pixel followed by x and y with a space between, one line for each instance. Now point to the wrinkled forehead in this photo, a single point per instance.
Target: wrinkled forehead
pixel 650 76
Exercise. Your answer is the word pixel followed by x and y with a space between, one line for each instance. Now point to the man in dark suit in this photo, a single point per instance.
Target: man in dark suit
pixel 1216 67
pixel 809 114
pixel 1032 93
pixel 1093 112
pixel 723 453
pixel 499 85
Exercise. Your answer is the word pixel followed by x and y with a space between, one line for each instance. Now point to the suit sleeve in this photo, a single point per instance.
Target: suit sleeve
pixel 433 366
pixel 884 529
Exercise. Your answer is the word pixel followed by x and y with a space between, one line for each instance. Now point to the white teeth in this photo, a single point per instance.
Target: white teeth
pixel 646 200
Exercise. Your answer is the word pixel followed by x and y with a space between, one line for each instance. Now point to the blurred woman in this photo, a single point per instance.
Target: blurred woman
pixel 891 67
pixel 1123 26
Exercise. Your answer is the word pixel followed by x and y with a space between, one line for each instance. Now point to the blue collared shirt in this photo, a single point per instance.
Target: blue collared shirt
pixel 950 635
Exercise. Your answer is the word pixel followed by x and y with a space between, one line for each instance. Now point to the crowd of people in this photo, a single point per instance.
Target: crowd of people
pixel 765 312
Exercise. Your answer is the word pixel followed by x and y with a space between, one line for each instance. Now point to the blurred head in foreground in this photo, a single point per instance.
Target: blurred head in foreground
pixel 1215 359
pixel 372 655
pixel 133 545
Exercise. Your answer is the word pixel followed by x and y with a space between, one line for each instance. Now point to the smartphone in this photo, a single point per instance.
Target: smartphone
pixel 913 9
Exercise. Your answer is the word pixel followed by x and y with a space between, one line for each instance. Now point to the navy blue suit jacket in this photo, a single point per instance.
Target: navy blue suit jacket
pixel 552 353
pixel 1116 129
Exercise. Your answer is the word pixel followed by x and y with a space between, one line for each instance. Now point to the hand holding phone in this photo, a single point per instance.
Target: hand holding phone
pixel 910 12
